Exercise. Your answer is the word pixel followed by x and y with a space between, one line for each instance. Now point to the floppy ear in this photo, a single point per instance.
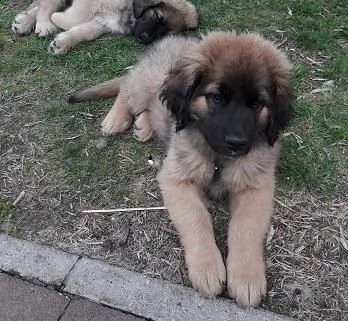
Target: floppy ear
pixel 281 109
pixel 179 88
pixel 139 6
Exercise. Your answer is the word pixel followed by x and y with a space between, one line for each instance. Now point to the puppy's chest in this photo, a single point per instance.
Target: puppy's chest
pixel 233 175
pixel 218 169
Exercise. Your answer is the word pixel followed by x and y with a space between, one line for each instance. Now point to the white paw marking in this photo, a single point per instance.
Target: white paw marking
pixel 44 28
pixel 59 45
pixel 23 24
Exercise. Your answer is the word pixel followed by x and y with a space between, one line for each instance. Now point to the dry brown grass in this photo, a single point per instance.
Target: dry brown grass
pixel 306 251
pixel 307 256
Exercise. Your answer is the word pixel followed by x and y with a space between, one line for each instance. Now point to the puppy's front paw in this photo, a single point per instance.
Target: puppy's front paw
pixel 23 24
pixel 44 28
pixel 113 124
pixel 207 271
pixel 59 45
pixel 142 128
pixel 246 282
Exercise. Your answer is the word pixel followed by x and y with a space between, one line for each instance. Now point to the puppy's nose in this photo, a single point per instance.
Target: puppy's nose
pixel 145 37
pixel 235 142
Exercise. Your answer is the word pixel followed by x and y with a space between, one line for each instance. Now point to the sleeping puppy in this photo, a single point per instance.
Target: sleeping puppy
pixel 218 105
pixel 85 20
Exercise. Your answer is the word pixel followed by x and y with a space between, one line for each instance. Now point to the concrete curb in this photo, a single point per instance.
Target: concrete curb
pixel 34 261
pixel 119 288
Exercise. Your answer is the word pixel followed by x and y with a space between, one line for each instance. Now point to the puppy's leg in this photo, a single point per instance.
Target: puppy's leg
pixel 73 16
pixel 44 25
pixel 251 214
pixel 118 119
pixel 142 127
pixel 24 22
pixel 187 210
pixel 61 20
pixel 84 32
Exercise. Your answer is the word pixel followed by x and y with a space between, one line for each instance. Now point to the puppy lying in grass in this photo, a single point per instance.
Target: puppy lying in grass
pixel 86 20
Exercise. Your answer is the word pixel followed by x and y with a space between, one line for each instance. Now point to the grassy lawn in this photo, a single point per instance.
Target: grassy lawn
pixel 56 154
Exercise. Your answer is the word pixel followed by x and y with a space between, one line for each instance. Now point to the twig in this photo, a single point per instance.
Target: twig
pixel 19 198
pixel 126 157
pixel 133 209
pixel 87 114
pixel 154 196
pixel 284 205
pixel 313 61
pixel 180 275
pixel 9 151
pixel 32 124
pixel 73 137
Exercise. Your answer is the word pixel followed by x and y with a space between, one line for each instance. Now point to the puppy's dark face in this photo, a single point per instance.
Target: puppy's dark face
pixel 230 114
pixel 150 26
pixel 235 89
pixel 149 21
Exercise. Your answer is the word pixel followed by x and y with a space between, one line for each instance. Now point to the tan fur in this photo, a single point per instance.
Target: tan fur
pixel 106 89
pixel 38 17
pixel 200 106
pixel 142 127
pixel 189 169
pixel 118 119
pixel 86 20
pixel 189 19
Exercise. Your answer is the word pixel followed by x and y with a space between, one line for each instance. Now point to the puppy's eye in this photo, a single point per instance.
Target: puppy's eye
pixel 158 17
pixel 216 98
pixel 256 105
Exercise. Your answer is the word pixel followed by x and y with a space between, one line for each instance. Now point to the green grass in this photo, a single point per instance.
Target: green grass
pixel 313 24
pixel 88 61
pixel 312 156
pixel 6 209
pixel 16 231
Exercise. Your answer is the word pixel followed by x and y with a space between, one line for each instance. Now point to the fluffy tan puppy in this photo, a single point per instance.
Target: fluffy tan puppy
pixel 218 105
pixel 85 20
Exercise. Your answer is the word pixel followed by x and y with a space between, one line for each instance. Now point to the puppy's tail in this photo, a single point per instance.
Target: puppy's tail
pixel 106 89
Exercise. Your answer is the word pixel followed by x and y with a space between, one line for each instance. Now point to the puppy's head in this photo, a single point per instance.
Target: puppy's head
pixel 153 19
pixel 234 88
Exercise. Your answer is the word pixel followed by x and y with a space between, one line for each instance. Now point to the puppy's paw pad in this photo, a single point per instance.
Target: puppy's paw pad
pixel 58 45
pixel 207 273
pixel 23 24
pixel 247 285
pixel 45 28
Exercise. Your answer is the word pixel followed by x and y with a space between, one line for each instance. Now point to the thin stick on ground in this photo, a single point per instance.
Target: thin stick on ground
pixel 132 209
pixel 19 198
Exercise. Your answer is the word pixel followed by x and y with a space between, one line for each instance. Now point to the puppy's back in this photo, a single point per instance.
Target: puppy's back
pixel 155 63
pixel 143 83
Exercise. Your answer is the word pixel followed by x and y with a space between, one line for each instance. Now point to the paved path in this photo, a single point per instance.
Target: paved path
pixel 23 301
pixel 119 289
